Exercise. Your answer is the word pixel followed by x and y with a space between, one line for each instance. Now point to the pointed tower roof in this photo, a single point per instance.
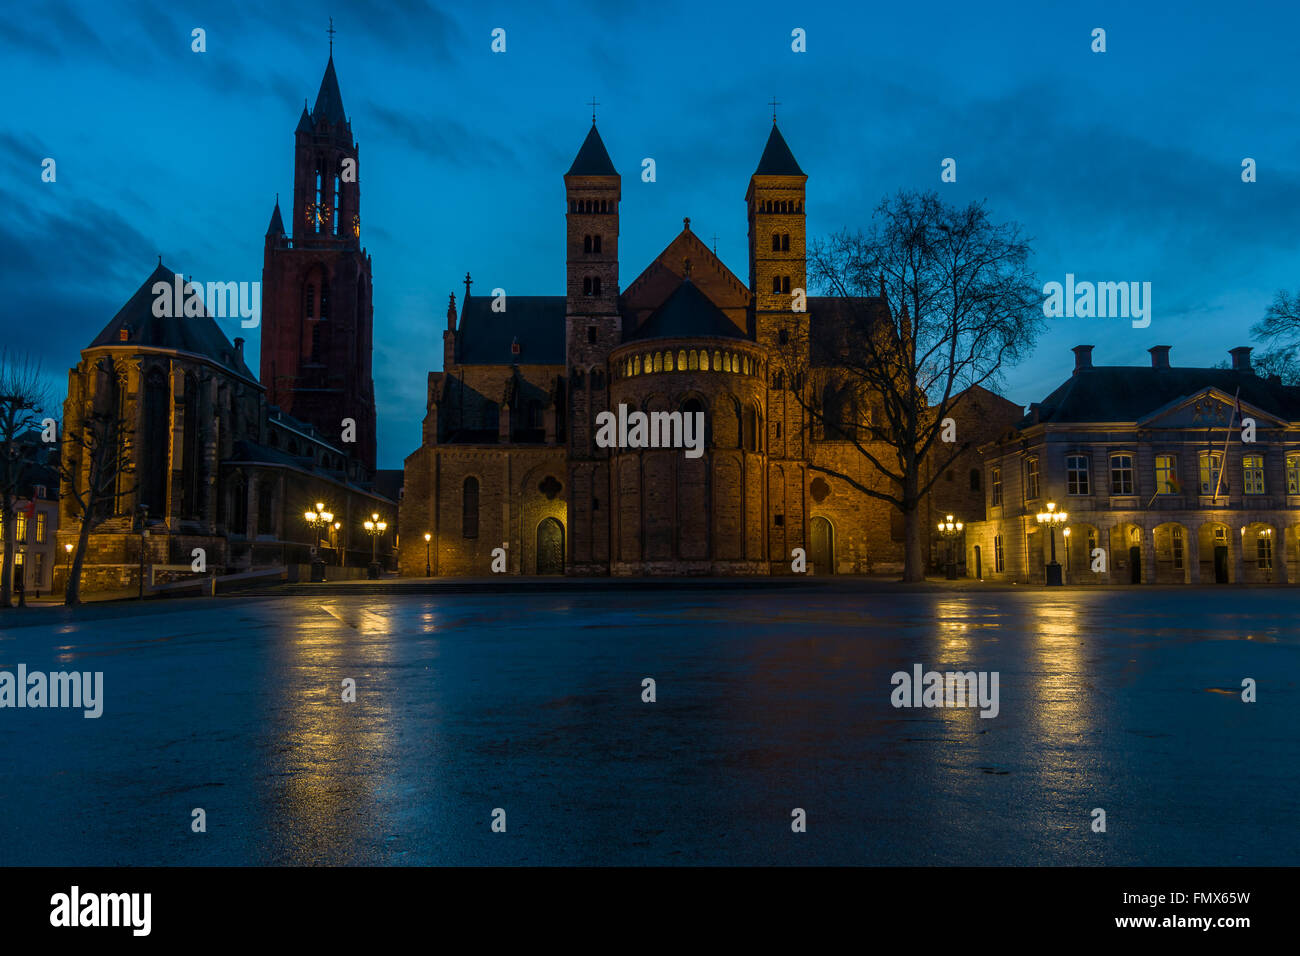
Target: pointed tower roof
pixel 329 101
pixel 276 228
pixel 304 121
pixel 592 159
pixel 777 159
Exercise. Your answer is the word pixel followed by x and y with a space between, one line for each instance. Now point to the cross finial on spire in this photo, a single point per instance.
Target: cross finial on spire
pixel 331 32
pixel 686 223
pixel 593 104
pixel 715 243
pixel 775 103
pixel 468 282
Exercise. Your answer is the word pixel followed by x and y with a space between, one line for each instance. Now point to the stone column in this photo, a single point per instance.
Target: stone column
pixel 1148 555
pixel 1193 554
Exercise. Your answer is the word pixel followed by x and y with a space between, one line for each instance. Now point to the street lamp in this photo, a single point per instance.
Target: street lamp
pixel 338 542
pixel 144 533
pixel 318 519
pixel 428 569
pixel 374 527
pixel 1051 517
pixel 1066 533
pixel 950 530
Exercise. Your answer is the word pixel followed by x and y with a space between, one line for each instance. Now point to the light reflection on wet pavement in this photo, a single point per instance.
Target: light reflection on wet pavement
pixel 767 701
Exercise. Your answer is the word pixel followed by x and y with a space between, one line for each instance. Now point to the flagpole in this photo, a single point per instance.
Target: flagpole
pixel 1223 462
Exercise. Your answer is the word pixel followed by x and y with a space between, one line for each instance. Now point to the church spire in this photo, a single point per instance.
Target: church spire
pixel 329 101
pixel 777 159
pixel 276 228
pixel 593 159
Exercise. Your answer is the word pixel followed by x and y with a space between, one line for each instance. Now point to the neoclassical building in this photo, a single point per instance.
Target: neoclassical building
pixel 509 457
pixel 1150 465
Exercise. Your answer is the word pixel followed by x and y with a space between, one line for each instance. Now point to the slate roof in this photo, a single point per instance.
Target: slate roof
pixel 197 334
pixel 777 159
pixel 276 228
pixel 1123 393
pixel 592 159
pixel 329 101
pixel 687 313
pixel 535 321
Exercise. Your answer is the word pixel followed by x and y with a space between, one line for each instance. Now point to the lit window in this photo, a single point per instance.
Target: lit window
pixel 1211 464
pixel 1252 474
pixel 1264 551
pixel 998 563
pixel 40 527
pixel 995 484
pixel 1176 541
pixel 1167 475
pixel 1293 474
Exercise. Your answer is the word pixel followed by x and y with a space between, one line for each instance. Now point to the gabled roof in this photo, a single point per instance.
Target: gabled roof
pixel 329 101
pixel 777 159
pixel 197 334
pixel 1122 393
pixel 687 313
pixel 592 159
pixel 536 322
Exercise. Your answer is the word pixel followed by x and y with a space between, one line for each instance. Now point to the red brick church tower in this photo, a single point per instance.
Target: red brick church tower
pixel 316 287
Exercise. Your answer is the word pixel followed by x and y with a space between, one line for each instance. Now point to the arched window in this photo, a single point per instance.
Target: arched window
pixel 694 360
pixel 776 242
pixel 595 243
pixel 324 300
pixel 157 407
pixel 192 451
pixel 681 360
pixel 597 379
pixel 735 363
pixel 309 300
pixel 636 365
pixel 704 360
pixel 659 361
pixel 320 205
pixel 749 426
pixel 469 508
pixel 238 523
pixel 586 243
pixel 717 361
pixel 668 361
pixel 266 508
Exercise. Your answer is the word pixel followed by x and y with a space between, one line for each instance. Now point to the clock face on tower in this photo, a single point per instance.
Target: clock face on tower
pixel 315 214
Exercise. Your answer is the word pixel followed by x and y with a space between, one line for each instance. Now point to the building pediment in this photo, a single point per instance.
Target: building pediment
pixel 1208 408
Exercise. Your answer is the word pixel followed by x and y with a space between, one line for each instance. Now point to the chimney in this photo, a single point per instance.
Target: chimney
pixel 1240 358
pixel 1082 358
pixel 1159 356
pixel 239 348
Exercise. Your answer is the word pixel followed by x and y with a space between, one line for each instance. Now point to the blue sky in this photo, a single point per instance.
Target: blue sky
pixel 1122 166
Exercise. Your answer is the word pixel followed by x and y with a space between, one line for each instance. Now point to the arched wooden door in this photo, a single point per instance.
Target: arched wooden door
pixel 821 545
pixel 550 547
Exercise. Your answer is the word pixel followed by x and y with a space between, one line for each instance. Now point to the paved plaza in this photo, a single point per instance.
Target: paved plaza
pixel 766 701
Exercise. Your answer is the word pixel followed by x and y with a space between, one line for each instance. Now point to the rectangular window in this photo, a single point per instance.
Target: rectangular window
pixel 40 527
pixel 1121 474
pixel 1076 475
pixel 20 534
pixel 1252 474
pixel 1264 552
pixel 1031 478
pixel 1176 544
pixel 1211 462
pixel 995 482
pixel 1167 475
pixel 39 559
pixel 998 564
pixel 1293 474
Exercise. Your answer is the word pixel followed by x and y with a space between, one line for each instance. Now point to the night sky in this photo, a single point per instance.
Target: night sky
pixel 1124 166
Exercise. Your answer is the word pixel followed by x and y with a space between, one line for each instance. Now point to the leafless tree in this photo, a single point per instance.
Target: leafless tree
pixel 1280 330
pixel 932 300
pixel 23 398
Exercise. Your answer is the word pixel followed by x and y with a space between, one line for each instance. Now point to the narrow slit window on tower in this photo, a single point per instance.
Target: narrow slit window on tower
pixel 337 199
pixel 324 301
pixel 591 335
pixel 785 242
pixel 309 301
pixel 776 284
pixel 776 242
pixel 595 243
pixel 317 215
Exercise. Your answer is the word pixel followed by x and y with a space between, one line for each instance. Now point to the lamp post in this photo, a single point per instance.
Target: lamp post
pixel 318 519
pixel 338 541
pixel 1051 517
pixel 1065 532
pixel 374 527
pixel 950 530
pixel 428 569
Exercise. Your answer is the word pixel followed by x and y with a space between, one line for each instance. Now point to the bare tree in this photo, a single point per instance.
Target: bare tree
pixel 931 300
pixel 1280 329
pixel 96 468
pixel 23 397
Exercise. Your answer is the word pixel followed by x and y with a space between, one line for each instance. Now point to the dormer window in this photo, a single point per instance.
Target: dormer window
pixel 124 334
